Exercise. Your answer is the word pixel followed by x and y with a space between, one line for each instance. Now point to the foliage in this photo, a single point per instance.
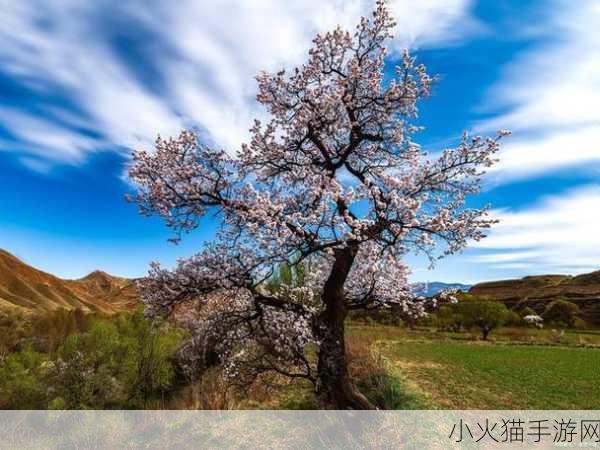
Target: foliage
pixel 150 370
pixel 448 318
pixel 14 328
pixel 561 313
pixel 43 331
pixel 125 362
pixel 287 276
pixel 20 380
pixel 580 324
pixel 378 316
pixel 513 319
pixel 53 327
pixel 483 314
pixel 209 391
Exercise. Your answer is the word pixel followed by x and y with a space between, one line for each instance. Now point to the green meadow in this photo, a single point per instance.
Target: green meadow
pixel 518 369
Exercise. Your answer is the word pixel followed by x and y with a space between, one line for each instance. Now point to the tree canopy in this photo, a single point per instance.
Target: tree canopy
pixel 333 180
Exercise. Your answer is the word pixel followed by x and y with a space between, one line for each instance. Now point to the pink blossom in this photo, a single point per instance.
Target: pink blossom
pixel 333 174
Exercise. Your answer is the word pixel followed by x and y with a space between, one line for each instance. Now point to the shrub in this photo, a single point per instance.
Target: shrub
pixel 558 337
pixel 561 313
pixel 52 328
pixel 149 367
pixel 87 371
pixel 513 319
pixel 123 362
pixel 20 385
pixel 374 378
pixel 14 328
pixel 119 363
pixel 209 391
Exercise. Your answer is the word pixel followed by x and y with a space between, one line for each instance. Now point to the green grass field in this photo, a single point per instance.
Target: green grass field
pixel 454 372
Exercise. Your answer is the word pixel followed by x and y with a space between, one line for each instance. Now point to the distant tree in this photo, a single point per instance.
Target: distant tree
pixel 333 177
pixel 562 312
pixel 483 314
pixel 447 318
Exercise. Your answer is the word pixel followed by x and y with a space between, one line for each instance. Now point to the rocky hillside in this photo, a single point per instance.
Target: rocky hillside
pixel 537 291
pixel 28 290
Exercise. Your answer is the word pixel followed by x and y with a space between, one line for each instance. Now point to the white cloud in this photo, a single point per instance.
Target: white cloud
pixel 205 53
pixel 558 234
pixel 534 155
pixel 552 95
pixel 41 137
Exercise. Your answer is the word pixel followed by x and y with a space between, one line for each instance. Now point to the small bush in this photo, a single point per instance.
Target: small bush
pixel 209 391
pixel 149 368
pixel 374 378
pixel 14 329
pixel 52 328
pixel 513 319
pixel 20 381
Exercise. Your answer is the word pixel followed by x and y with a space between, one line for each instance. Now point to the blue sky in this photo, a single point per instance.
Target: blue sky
pixel 81 83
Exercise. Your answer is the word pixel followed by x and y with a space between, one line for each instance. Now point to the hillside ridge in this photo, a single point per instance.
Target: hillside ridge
pixel 25 289
pixel 536 291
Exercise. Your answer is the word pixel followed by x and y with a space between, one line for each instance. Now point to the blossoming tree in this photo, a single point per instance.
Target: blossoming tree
pixel 333 183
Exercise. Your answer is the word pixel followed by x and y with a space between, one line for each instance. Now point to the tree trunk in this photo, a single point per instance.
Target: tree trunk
pixel 334 387
pixel 485 333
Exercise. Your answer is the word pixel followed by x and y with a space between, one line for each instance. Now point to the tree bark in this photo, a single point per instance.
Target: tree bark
pixel 334 387
pixel 485 333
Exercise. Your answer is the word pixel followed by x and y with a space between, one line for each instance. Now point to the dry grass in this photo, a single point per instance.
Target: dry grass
pixel 211 391
pixel 376 378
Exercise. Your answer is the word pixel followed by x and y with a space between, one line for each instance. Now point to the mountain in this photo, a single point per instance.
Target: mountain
pixel 28 290
pixel 537 291
pixel 429 289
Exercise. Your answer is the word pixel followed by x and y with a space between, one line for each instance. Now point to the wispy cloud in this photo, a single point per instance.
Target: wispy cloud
pixel 558 234
pixel 550 96
pixel 559 150
pixel 129 70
